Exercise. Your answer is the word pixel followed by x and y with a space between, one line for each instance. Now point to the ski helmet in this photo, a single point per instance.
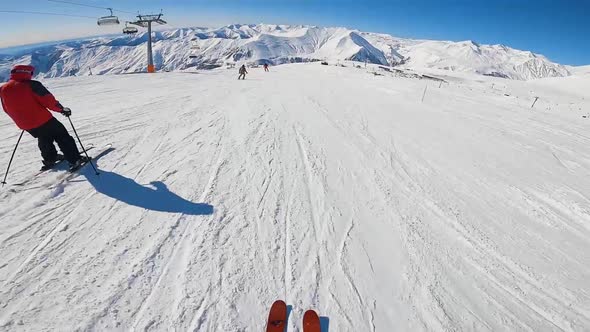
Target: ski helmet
pixel 22 72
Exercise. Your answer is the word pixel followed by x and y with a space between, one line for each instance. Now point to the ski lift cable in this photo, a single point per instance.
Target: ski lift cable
pixel 91 6
pixel 43 13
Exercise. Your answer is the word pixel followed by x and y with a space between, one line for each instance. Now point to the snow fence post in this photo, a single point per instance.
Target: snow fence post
pixel 424 94
pixel 536 98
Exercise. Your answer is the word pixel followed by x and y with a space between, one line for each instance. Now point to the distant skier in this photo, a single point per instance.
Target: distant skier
pixel 26 102
pixel 242 72
pixel 266 67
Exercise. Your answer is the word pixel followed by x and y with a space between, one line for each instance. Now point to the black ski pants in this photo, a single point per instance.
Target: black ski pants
pixel 242 76
pixel 54 131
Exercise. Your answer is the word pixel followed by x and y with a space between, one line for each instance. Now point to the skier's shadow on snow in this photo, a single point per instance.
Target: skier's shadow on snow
pixel 156 197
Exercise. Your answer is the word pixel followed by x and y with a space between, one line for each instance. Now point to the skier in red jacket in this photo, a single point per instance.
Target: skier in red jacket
pixel 26 101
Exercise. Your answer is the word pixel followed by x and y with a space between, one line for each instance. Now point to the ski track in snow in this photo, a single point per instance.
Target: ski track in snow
pixel 343 193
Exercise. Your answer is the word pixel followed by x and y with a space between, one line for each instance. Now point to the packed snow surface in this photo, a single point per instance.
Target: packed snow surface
pixel 331 188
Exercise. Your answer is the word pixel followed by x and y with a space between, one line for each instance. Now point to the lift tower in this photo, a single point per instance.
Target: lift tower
pixel 146 22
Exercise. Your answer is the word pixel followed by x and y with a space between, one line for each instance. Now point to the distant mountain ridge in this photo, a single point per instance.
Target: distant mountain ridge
pixel 182 49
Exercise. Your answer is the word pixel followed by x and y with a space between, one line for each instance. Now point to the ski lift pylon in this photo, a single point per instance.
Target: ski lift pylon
pixel 108 20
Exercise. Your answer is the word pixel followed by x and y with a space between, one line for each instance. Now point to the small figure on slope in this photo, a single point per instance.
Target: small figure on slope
pixel 266 67
pixel 26 101
pixel 243 72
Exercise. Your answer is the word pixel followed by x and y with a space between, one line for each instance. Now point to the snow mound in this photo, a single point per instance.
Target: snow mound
pixel 580 70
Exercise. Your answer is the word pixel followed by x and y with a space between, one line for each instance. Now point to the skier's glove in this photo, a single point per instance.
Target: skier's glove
pixel 66 111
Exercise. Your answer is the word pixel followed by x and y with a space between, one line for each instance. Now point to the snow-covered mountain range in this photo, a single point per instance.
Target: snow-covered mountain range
pixel 182 49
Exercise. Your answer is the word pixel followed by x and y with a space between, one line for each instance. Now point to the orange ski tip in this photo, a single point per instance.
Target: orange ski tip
pixel 279 302
pixel 311 322
pixel 311 314
pixel 277 317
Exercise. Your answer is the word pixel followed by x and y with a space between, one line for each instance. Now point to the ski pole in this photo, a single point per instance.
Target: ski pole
pixel 12 157
pixel 82 146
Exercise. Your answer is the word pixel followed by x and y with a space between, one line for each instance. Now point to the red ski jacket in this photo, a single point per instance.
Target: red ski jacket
pixel 26 101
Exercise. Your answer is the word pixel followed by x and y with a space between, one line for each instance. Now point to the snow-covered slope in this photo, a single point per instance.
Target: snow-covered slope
pixel 277 44
pixel 343 193
pixel 467 56
pixel 580 70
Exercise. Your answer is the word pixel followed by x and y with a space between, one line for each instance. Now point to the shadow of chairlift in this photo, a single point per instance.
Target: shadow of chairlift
pixel 108 20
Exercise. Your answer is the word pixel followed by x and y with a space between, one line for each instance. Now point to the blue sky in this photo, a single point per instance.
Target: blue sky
pixel 559 29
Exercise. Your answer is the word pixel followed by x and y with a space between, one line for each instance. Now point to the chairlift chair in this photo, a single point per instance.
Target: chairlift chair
pixel 129 30
pixel 108 20
pixel 194 49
